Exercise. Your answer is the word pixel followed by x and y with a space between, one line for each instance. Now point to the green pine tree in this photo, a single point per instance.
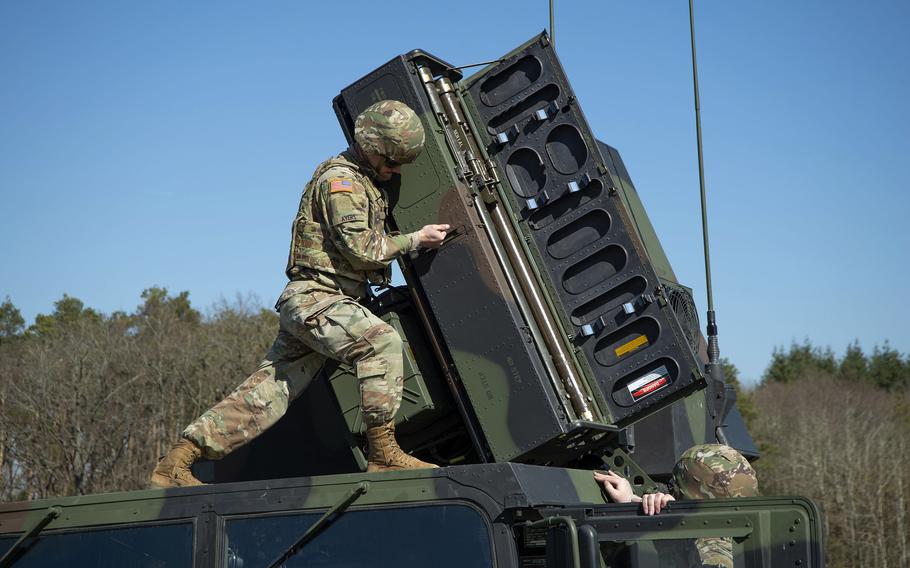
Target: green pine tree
pixel 854 366
pixel 156 301
pixel 743 397
pixel 799 362
pixel 68 311
pixel 888 370
pixel 11 322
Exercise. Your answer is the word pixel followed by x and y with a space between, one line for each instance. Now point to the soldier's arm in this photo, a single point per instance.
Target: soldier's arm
pixel 347 210
pixel 620 491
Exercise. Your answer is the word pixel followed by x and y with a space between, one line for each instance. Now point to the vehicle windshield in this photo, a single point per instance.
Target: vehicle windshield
pixel 150 546
pixel 401 536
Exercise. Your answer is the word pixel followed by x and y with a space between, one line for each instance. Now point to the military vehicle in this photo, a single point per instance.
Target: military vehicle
pixel 547 336
pixel 474 515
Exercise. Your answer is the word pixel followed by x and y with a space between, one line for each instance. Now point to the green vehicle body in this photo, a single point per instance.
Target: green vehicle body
pixel 476 515
pixel 513 382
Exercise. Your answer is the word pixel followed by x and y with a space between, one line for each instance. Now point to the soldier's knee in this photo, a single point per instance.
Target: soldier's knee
pixel 384 339
pixel 271 396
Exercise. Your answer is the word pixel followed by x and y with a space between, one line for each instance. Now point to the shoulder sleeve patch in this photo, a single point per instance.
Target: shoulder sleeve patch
pixel 341 185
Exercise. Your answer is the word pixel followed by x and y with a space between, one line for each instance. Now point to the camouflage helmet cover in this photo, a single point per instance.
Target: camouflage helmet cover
pixel 710 471
pixel 390 129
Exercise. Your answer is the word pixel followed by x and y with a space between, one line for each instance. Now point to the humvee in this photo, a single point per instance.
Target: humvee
pixel 504 514
pixel 546 337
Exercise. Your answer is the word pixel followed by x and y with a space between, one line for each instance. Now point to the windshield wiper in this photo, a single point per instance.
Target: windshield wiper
pixel 49 516
pixel 324 521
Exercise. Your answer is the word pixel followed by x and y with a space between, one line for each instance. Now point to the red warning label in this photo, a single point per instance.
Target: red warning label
pixel 649 384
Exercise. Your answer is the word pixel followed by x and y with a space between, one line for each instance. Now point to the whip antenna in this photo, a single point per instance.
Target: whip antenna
pixel 717 393
pixel 713 349
pixel 552 26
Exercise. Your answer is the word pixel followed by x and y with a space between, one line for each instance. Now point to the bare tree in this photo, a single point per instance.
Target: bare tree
pixel 90 403
pixel 844 444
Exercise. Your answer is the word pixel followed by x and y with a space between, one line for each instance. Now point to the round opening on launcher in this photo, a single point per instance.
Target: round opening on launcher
pixel 566 149
pixel 578 234
pixel 594 270
pixel 513 80
pixel 523 109
pixel 526 172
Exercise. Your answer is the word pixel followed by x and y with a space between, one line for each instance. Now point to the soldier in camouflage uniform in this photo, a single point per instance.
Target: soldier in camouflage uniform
pixel 338 247
pixel 706 471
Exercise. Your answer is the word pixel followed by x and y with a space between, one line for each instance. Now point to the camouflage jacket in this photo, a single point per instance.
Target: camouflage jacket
pixel 338 236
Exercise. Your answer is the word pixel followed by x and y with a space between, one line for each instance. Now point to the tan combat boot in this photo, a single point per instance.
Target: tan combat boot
pixel 174 469
pixel 385 455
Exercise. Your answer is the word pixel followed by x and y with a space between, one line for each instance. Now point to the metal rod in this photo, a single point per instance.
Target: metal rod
pixel 552 23
pixel 713 349
pixel 468 66
pixel 433 95
pixel 518 293
pixel 569 523
pixel 547 326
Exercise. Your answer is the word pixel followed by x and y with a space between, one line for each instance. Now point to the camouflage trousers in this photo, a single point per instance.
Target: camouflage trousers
pixel 714 552
pixel 315 325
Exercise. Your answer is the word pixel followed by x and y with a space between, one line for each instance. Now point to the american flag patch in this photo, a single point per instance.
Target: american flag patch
pixel 345 185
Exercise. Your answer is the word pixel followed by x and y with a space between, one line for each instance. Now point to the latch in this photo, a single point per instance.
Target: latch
pixel 628 308
pixel 544 197
pixel 638 304
pixel 583 182
pixel 507 135
pixel 594 327
pixel 547 112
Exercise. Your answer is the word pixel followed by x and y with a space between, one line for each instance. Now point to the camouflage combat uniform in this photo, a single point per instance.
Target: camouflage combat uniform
pixel 712 471
pixel 338 244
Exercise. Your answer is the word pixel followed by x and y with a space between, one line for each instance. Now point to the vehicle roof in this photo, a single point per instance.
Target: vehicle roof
pixel 490 487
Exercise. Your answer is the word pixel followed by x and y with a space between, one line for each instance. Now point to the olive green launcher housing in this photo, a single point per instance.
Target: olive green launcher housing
pixel 544 311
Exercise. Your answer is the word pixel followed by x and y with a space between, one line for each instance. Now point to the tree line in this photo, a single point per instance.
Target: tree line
pixel 837 430
pixel 89 401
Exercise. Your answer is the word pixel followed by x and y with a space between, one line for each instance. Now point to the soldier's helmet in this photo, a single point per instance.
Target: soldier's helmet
pixel 390 129
pixel 710 471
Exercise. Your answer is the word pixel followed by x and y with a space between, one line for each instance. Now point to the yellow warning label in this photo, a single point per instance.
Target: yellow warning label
pixel 639 341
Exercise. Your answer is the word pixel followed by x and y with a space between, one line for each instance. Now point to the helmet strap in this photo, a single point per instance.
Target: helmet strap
pixel 361 156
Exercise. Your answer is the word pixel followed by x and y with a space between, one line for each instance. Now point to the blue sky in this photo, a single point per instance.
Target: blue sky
pixel 166 143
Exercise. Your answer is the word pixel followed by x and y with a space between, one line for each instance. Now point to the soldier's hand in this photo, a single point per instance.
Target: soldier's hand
pixel 431 236
pixel 618 487
pixel 653 503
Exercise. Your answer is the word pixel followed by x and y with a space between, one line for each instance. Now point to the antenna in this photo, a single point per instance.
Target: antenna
pixel 716 382
pixel 552 26
pixel 713 349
